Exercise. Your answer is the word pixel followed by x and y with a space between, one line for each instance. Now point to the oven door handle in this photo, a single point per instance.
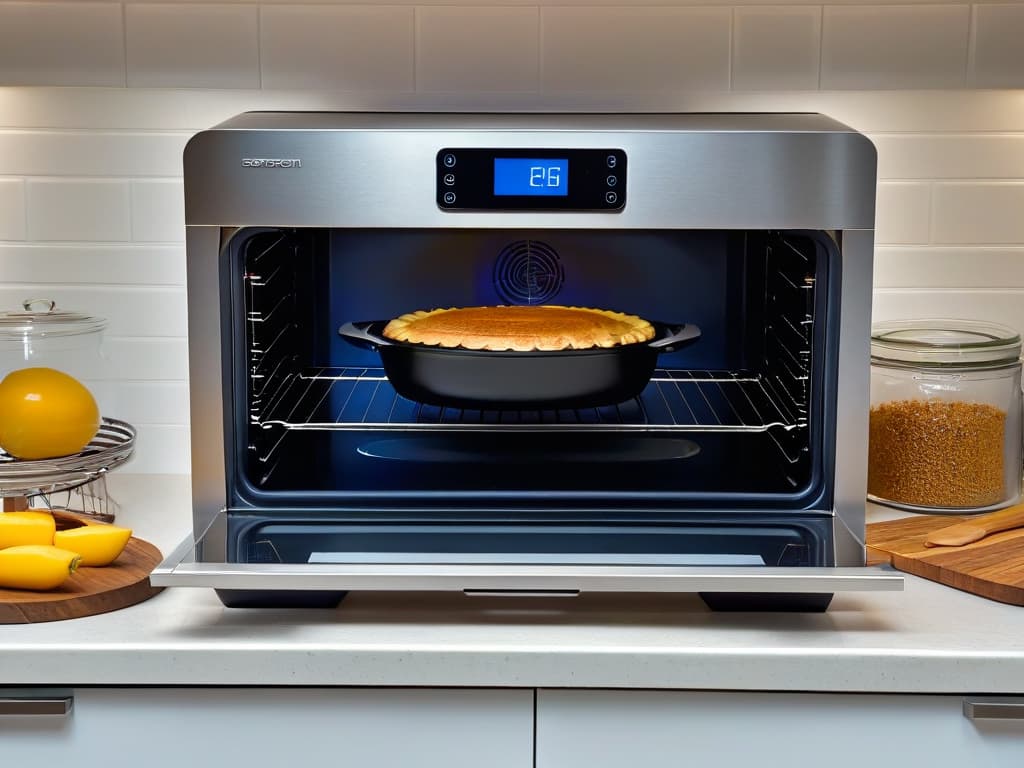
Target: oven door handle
pixel 359 335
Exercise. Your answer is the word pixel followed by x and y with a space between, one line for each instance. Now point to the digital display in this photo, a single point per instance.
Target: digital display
pixel 531 176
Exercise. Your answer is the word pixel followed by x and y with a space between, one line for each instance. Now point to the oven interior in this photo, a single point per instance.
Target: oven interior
pixel 739 420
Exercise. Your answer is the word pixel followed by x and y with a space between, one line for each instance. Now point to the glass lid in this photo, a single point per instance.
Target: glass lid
pixel 40 319
pixel 945 342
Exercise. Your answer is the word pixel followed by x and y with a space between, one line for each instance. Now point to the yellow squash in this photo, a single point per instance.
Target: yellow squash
pixel 17 528
pixel 97 544
pixel 36 566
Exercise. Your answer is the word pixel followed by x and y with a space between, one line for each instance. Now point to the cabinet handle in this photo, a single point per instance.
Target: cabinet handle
pixel 36 706
pixel 994 709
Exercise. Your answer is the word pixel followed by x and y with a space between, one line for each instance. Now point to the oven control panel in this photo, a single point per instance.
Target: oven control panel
pixel 531 180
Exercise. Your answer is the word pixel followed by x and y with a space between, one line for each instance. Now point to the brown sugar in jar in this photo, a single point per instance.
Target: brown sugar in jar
pixel 945 420
pixel 936 453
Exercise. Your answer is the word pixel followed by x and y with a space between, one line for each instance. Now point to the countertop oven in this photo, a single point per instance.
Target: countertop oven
pixel 733 464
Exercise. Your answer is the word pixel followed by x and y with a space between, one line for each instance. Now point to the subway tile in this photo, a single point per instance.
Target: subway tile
pixel 110 263
pixel 149 402
pixel 961 267
pixel 160 449
pixel 978 213
pixel 921 156
pixel 78 209
pixel 997 48
pixel 136 311
pixel 158 211
pixel 86 153
pixel 902 213
pixel 163 110
pixel 477 49
pixel 145 359
pixel 360 48
pixel 894 47
pixel 635 48
pixel 1004 307
pixel 776 47
pixel 12 210
pixel 192 46
pixel 76 43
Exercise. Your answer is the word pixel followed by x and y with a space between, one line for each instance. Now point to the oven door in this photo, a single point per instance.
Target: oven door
pixel 467 563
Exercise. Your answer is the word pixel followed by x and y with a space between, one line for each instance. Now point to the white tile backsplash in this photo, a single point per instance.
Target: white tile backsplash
pixel 957 156
pixel 158 211
pixel 776 47
pixel 74 43
pixel 141 311
pixel 903 213
pixel 979 213
pixel 184 45
pixel 635 48
pixel 87 153
pixel 961 267
pixel 78 209
pixel 997 47
pixel 361 48
pixel 477 49
pixel 894 47
pixel 12 211
pixel 91 209
pixel 109 263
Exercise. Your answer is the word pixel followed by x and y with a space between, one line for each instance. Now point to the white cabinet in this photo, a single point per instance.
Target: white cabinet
pixel 673 729
pixel 282 728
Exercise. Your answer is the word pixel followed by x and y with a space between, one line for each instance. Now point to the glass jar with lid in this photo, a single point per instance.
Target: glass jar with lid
pixel 945 422
pixel 41 335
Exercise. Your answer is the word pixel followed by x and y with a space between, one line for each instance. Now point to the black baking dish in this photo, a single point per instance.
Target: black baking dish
pixel 485 379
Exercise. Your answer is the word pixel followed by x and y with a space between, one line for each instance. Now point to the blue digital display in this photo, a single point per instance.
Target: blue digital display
pixel 531 176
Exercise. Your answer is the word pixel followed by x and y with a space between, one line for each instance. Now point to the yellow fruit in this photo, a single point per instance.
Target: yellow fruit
pixel 97 544
pixel 17 528
pixel 45 413
pixel 36 566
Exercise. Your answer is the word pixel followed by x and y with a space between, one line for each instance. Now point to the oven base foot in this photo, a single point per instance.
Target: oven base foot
pixel 797 602
pixel 279 598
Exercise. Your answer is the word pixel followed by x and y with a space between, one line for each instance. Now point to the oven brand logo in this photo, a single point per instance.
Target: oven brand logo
pixel 271 162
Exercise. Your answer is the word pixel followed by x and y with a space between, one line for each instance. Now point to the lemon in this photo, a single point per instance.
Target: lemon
pixel 36 566
pixel 45 413
pixel 17 528
pixel 97 544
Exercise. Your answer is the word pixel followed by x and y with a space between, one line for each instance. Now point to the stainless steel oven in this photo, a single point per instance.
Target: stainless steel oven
pixel 726 456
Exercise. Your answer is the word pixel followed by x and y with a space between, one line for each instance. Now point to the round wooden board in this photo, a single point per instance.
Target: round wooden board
pixel 88 591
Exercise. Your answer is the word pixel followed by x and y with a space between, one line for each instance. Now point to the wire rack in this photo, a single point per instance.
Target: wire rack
pixel 363 399
pixel 111 447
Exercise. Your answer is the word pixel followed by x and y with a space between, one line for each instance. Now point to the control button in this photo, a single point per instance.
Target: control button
pixel 449 179
pixel 612 161
pixel 448 160
pixel 612 181
pixel 449 198
pixel 611 198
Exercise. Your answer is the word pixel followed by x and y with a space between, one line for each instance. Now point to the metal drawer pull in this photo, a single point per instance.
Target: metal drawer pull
pixel 994 709
pixel 35 706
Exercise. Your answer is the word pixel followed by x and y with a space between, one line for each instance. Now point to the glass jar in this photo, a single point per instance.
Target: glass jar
pixel 945 422
pixel 40 335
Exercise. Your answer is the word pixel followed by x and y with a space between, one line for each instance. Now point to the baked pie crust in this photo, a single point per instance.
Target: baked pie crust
pixel 520 328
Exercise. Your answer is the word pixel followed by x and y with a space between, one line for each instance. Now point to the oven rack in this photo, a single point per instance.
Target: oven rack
pixel 362 399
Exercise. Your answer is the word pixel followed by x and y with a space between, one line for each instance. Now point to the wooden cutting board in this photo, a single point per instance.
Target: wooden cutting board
pixel 88 591
pixel 992 567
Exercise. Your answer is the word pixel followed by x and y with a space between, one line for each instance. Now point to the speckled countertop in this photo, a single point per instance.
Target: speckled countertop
pixel 929 638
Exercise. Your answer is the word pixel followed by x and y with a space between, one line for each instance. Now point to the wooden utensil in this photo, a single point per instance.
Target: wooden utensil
pixel 977 528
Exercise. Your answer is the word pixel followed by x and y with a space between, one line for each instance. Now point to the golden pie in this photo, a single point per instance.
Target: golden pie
pixel 521 329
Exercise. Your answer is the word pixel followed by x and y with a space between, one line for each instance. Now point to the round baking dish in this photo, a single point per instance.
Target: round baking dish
pixel 545 380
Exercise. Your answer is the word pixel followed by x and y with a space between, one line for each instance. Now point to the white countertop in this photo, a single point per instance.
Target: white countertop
pixel 929 638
